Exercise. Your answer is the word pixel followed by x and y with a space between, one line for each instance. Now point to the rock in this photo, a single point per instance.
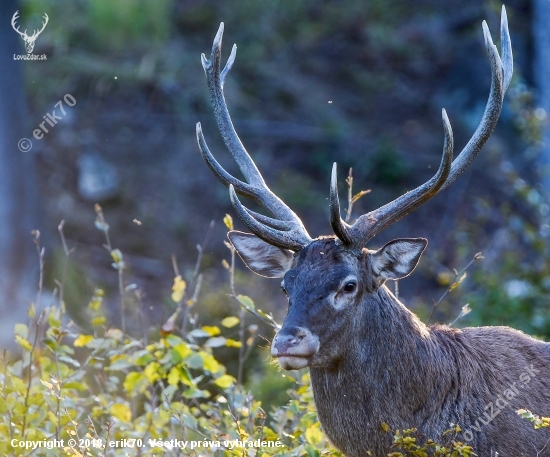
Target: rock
pixel 98 180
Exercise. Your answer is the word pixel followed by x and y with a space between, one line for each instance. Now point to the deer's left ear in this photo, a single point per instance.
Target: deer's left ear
pixel 261 257
pixel 398 258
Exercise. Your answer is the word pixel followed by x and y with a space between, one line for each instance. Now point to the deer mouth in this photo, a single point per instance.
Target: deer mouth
pixel 292 362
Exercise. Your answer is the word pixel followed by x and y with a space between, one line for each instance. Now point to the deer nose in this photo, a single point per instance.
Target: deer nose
pixel 288 338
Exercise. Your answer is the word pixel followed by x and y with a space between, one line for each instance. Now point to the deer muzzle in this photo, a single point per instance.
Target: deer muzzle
pixel 294 347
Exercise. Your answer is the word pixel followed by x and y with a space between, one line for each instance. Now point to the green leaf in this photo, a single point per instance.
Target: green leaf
pixel 21 330
pixel 215 342
pixel 195 361
pixel 230 321
pixel 120 364
pixel 198 333
pixel 246 301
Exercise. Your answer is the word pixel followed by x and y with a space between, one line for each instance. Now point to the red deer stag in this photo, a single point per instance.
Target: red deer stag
pixel 371 360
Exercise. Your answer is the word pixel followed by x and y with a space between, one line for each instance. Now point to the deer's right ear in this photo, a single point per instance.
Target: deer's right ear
pixel 262 258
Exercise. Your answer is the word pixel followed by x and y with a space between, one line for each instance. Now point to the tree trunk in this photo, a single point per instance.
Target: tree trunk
pixel 541 71
pixel 18 185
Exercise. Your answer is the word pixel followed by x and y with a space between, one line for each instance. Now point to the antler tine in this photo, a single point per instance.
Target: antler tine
pixel 291 239
pixel 13 21
pixel 369 225
pixel 287 229
pixel 223 119
pixel 501 74
pixel 226 178
pixel 506 45
pixel 339 226
pixel 36 32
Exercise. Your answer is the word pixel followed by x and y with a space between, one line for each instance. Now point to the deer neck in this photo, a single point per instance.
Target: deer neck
pixel 394 361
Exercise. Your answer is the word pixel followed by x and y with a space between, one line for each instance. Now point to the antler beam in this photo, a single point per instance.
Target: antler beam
pixel 286 230
pixel 369 225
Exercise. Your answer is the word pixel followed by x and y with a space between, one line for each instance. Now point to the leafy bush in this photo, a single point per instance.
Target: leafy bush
pixel 138 394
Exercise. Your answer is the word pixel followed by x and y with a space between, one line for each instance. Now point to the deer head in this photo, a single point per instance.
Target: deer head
pixel 29 40
pixel 329 280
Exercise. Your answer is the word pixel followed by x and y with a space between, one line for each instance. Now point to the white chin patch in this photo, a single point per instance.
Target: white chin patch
pixel 293 363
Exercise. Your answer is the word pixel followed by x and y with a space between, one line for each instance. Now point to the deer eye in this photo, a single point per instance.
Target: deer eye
pixel 350 286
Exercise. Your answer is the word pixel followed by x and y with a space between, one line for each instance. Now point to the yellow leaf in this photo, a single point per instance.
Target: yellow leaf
pixel 98 321
pixel 233 344
pixel 151 371
pixel 121 411
pixel 314 436
pixel 224 381
pixel 385 427
pixel 209 362
pixel 178 289
pixel 230 321
pixel 183 350
pixel 228 221
pixel 212 331
pixel 23 343
pixel 82 340
pixel 174 376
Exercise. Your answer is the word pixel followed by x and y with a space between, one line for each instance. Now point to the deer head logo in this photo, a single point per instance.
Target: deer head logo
pixel 29 40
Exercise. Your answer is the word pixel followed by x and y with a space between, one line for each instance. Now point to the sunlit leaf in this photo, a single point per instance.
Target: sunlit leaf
pixel 23 343
pixel 228 221
pixel 230 321
pixel 178 289
pixel 211 330
pixel 224 381
pixel 82 340
pixel 246 301
pixel 121 411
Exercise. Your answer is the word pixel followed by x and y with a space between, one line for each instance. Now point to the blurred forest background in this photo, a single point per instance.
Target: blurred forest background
pixel 361 83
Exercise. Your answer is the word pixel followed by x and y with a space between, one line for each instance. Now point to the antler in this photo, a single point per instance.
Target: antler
pixel 369 225
pixel 24 34
pixel 36 32
pixel 13 21
pixel 287 230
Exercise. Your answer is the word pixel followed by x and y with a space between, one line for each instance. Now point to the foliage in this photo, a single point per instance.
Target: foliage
pixel 102 387
pixel 537 421
pixel 408 441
